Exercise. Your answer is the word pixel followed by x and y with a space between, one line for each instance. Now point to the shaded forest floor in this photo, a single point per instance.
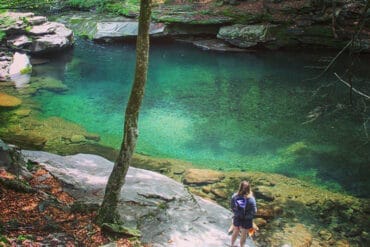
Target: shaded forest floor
pixel 37 212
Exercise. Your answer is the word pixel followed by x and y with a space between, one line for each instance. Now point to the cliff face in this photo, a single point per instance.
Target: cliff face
pixel 270 24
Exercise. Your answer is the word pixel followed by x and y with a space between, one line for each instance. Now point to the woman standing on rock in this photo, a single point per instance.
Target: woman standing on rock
pixel 244 207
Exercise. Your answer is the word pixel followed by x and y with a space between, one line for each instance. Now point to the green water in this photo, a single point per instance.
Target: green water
pixel 223 111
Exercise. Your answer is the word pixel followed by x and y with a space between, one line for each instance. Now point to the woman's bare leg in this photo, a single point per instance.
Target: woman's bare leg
pixel 243 236
pixel 235 235
pixel 231 228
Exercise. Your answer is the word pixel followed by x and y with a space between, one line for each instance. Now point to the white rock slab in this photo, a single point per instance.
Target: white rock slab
pixel 121 29
pixel 165 212
pixel 20 62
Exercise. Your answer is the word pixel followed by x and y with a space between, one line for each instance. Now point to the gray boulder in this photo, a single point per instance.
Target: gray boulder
pixel 51 36
pixel 164 211
pixel 30 33
pixel 20 42
pixel 244 36
pixel 125 29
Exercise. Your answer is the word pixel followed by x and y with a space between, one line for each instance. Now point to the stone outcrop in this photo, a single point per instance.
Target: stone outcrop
pixel 101 28
pixel 244 36
pixel 25 31
pixel 163 210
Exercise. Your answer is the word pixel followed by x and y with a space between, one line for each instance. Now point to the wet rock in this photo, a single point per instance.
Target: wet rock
pixel 219 193
pixel 9 101
pixel 207 188
pixel 26 140
pixel 264 193
pixel 44 83
pixel 93 137
pixel 216 45
pixel 22 112
pixel 244 36
pixel 78 139
pixel 178 170
pixel 202 176
pixel 296 235
pixel 162 209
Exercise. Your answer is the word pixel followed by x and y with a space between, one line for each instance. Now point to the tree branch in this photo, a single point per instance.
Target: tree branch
pixel 359 27
pixel 353 89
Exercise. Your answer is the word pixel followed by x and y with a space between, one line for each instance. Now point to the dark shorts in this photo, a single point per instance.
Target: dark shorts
pixel 244 223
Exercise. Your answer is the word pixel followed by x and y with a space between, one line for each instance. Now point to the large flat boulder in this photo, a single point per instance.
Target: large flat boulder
pixel 51 36
pixel 164 211
pixel 124 29
pixel 244 36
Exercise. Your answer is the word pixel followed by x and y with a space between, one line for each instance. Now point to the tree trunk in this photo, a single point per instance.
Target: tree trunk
pixel 108 210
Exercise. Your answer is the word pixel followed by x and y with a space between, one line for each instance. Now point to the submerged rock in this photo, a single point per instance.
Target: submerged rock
pixel 9 101
pixel 78 139
pixel 296 235
pixel 202 176
pixel 163 210
pixel 43 83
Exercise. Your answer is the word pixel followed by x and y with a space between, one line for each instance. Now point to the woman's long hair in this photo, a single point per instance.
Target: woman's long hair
pixel 244 189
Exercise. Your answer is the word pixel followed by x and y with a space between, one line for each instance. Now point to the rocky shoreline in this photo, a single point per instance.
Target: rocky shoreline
pixel 242 25
pixel 25 34
pixel 290 211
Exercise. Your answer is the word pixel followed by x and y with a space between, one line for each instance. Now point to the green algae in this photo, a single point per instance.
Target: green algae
pixel 245 112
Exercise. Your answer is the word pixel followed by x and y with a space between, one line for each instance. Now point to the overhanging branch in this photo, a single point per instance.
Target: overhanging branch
pixel 353 89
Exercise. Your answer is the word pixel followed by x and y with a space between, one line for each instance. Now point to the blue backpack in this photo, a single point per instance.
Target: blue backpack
pixel 242 207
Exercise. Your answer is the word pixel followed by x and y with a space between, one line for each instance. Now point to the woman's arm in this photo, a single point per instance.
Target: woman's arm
pixel 254 205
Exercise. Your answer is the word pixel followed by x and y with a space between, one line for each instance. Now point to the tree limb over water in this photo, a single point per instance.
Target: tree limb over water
pixel 353 89
pixel 360 25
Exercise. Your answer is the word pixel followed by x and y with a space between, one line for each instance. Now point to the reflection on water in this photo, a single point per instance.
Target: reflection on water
pixel 222 110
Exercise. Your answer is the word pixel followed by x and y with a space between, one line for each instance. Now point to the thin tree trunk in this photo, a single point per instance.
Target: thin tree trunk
pixel 108 210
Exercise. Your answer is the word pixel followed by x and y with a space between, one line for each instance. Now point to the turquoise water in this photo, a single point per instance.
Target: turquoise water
pixel 225 111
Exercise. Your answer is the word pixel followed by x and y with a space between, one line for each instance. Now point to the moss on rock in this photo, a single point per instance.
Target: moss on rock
pixel 9 101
